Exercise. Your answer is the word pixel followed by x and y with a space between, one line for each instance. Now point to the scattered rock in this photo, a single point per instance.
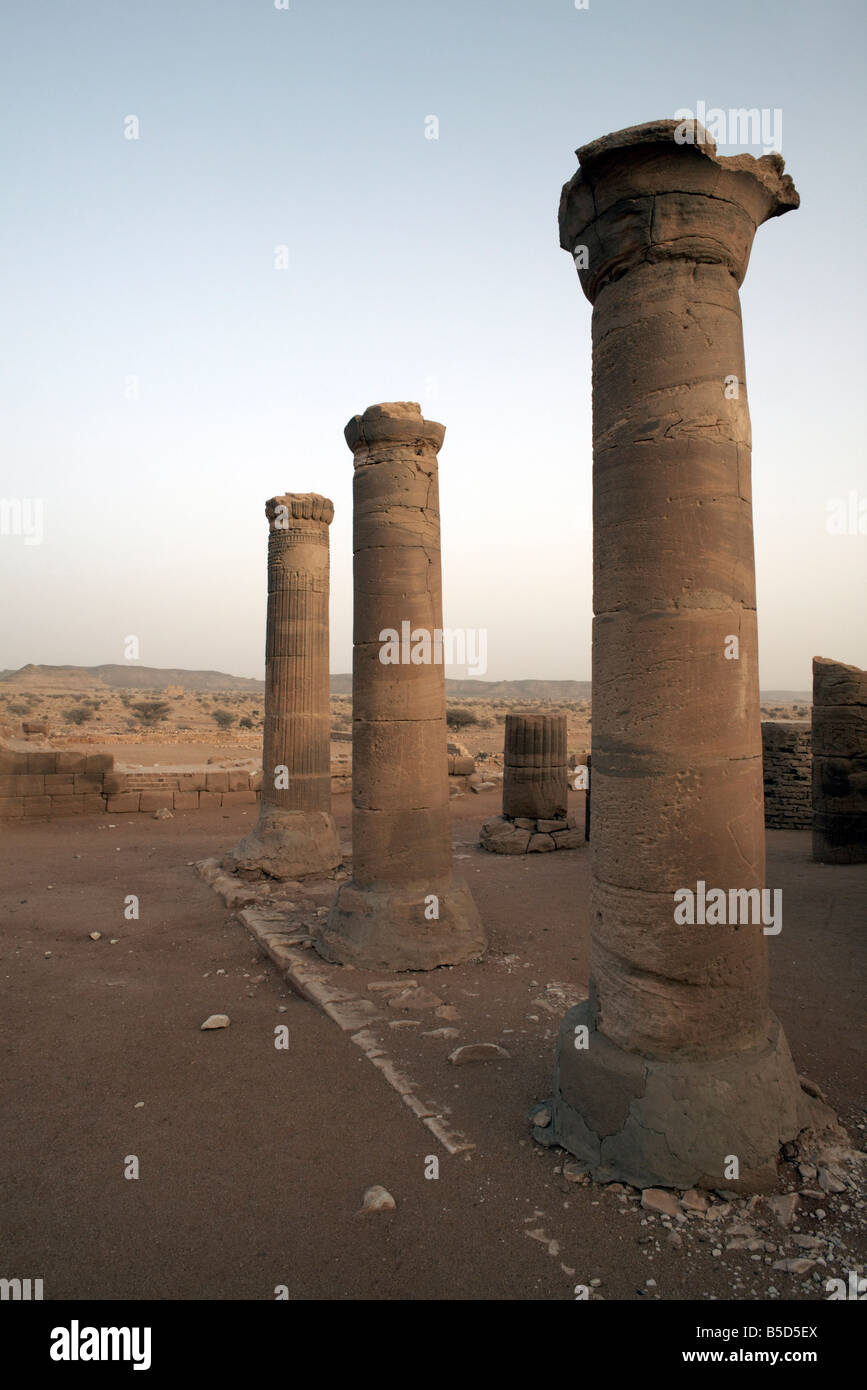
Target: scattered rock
pixel 442 1033
pixel 418 998
pixel 798 1265
pixel 541 1117
pixel 784 1207
pixel 812 1089
pixel 377 1199
pixel 447 1011
pixel 573 1172
pixel 656 1199
pixel 478 1052
pixel 96 935
pixel 163 814
pixel 215 1021
pixel 829 1182
pixel 695 1201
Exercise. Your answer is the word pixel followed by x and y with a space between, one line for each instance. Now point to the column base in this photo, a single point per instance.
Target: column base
pixel 676 1123
pixel 386 928
pixel 288 844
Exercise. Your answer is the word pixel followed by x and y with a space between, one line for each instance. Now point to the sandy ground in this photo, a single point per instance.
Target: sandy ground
pixel 253 1161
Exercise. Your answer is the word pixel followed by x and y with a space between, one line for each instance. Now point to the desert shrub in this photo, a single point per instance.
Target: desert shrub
pixel 80 715
pixel 245 723
pixel 18 709
pixel 150 712
pixel 458 718
pixel 223 718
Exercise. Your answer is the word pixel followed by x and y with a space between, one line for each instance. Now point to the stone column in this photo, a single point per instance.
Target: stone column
pixel 684 1066
pixel 295 836
pixel 839 763
pixel 402 909
pixel 535 772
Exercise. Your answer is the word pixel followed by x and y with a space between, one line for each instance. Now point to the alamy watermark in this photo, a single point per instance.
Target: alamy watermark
pixel 442 646
pixel 23 516
pixel 742 907
pixel 739 125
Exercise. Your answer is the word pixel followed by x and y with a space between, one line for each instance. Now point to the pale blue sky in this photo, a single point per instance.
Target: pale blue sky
pixel 419 269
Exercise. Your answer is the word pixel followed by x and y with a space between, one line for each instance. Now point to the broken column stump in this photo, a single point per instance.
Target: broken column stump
pixel 535 817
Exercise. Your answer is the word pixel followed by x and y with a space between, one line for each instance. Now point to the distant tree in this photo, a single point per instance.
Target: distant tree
pixel 80 715
pixel 458 718
pixel 223 718
pixel 150 712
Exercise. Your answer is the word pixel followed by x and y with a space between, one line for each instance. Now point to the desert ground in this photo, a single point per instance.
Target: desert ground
pixel 107 1060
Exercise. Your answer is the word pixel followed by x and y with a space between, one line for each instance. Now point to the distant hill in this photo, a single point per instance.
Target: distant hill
pixel 129 677
pixel 126 677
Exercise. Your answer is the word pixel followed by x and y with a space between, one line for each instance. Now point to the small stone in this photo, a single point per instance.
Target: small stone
pixel 807 1172
pixel 478 1052
pixel 138 1105
pixel 695 1201
pixel 215 1021
pixel 418 998
pixel 96 936
pixel 829 1182
pixel 220 972
pixel 799 1265
pixel 674 1238
pixel 820 1213
pixel 656 1199
pixel 281 1009
pixel 377 1199
pixel 113 940
pixel 807 1242
pixel 47 954
pixel 447 1011
pixel 541 1117
pixel 595 1283
pixel 163 814
pixel 572 1172
pixel 784 1207
pixel 442 1033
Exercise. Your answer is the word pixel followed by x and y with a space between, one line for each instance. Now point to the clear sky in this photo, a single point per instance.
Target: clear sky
pixel 418 269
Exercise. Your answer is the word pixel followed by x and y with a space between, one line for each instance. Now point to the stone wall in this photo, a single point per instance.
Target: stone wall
pixel 787 758
pixel 45 785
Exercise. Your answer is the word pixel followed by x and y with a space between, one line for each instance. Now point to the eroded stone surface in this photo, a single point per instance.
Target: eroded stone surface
pixel 839 763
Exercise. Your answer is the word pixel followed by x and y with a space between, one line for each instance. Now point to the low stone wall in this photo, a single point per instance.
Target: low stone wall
pixel 787 760
pixel 45 785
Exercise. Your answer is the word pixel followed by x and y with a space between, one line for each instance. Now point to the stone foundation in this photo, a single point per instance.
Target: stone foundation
pixel 529 835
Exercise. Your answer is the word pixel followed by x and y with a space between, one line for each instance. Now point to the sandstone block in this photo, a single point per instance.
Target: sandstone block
pixel 41 762
pixel 126 801
pixel 568 839
pixel 540 844
pixel 217 781
pixel 12 762
pixel 37 805
pixel 239 798
pixel 22 785
pixel 209 801
pixel 84 782
pixel 192 782
pixel 155 801
pixel 94 805
pixel 67 806
pixel 11 807
pixel 66 760
pixel 97 763
pixel 59 784
pixel 239 781
pixel 114 783
pixel 185 801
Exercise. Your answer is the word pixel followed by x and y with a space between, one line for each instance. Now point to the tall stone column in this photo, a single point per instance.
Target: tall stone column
pixel 403 909
pixel 674 1065
pixel 839 762
pixel 295 836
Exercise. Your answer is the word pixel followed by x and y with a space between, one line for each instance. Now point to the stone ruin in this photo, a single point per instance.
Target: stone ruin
pixel 295 837
pixel 675 1063
pixel 535 818
pixel 839 763
pixel 403 909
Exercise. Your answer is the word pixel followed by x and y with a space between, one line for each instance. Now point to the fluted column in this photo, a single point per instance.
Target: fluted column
pixel 535 772
pixel 684 1067
pixel 403 908
pixel 295 836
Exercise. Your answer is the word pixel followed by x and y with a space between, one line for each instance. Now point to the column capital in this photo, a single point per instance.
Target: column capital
pixel 660 192
pixel 298 506
pixel 394 423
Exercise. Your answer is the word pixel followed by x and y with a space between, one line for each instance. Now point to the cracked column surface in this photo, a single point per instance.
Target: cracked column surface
pixel 295 836
pixel 403 909
pixel 685 1067
pixel 839 762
